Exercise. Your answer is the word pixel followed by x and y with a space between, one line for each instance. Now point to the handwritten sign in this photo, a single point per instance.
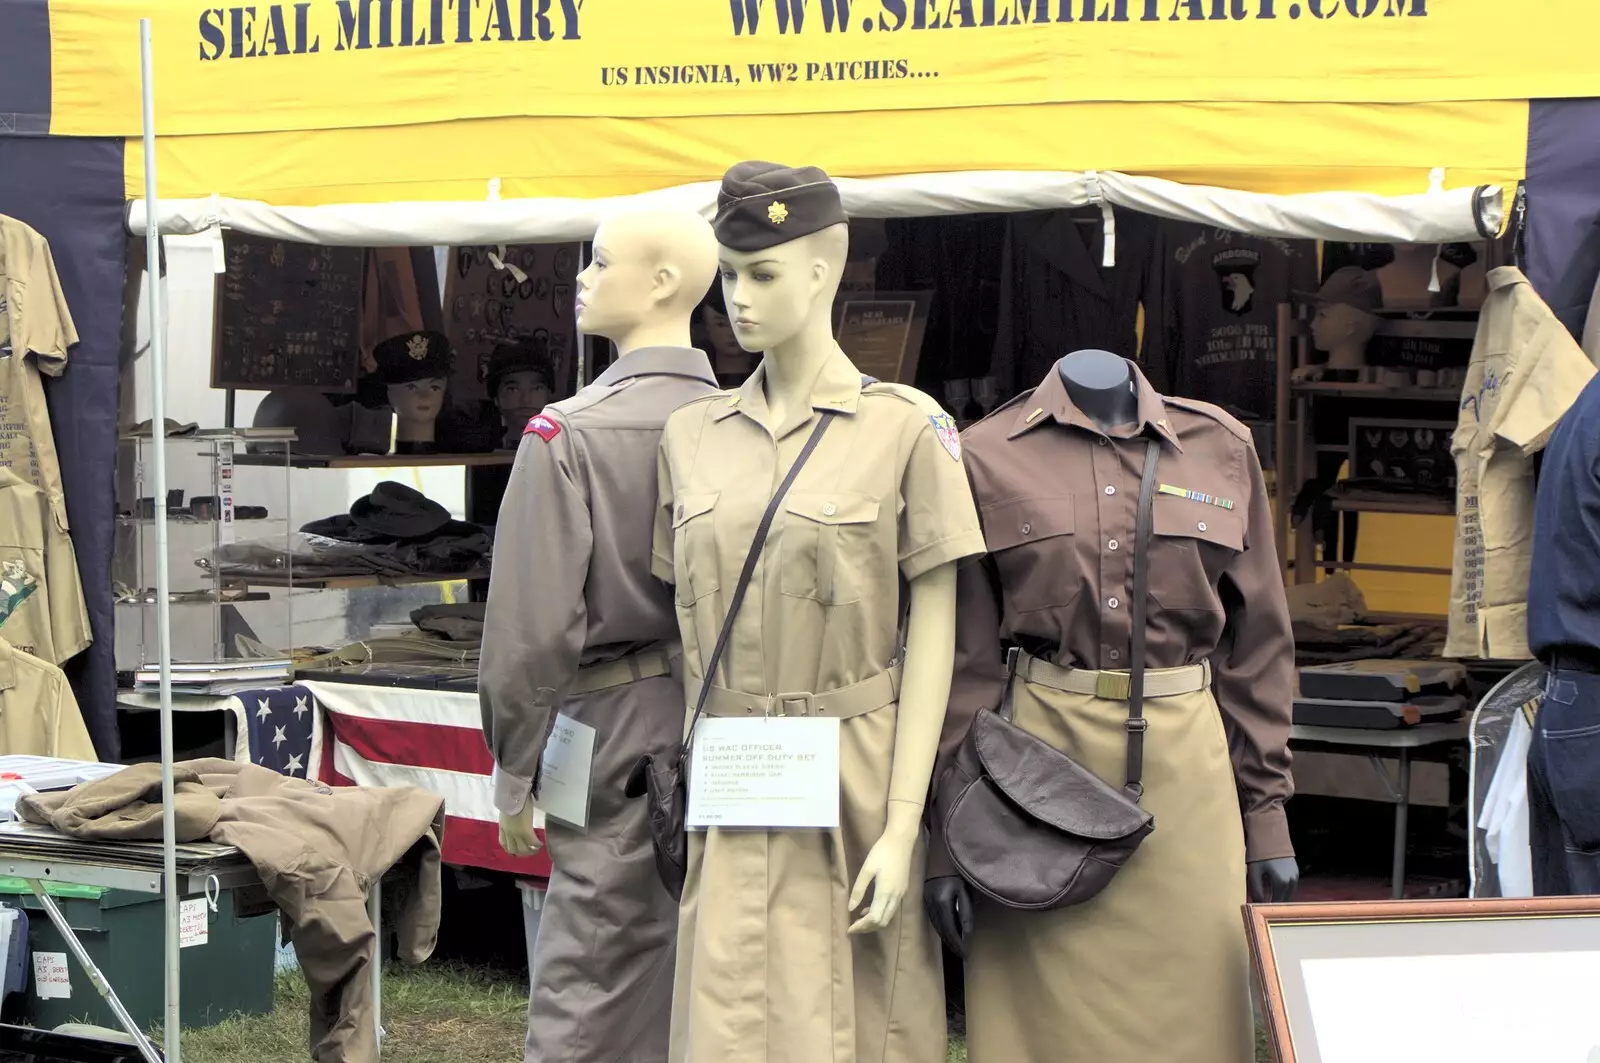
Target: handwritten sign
pixel 770 773
pixel 288 315
pixel 194 923
pixel 564 773
pixel 52 980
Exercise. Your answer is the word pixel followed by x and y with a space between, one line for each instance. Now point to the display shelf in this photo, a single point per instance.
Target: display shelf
pixel 345 583
pixel 379 461
pixel 1354 390
pixel 208 602
pixel 1377 502
pixel 1367 566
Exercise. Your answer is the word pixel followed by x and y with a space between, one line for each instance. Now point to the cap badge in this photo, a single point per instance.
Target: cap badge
pixel 417 347
pixel 777 213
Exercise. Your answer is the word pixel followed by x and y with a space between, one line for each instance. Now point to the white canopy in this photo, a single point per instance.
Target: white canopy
pixel 1434 216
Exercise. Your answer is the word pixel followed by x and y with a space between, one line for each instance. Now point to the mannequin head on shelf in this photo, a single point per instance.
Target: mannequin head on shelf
pixel 648 272
pixel 784 244
pixel 1346 316
pixel 520 382
pixel 415 368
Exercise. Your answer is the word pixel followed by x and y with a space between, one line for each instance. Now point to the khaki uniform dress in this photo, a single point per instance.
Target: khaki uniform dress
pixel 577 624
pixel 766 972
pixel 1155 968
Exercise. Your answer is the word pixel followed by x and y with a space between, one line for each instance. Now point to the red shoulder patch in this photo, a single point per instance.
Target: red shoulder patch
pixel 543 427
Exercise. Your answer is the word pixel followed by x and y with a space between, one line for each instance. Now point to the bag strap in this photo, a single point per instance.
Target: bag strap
pixel 745 574
pixel 1137 724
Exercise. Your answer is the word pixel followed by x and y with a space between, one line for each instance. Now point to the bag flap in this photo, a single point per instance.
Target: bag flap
pixel 834 507
pixel 1023 520
pixel 688 507
pixel 1050 786
pixel 1181 518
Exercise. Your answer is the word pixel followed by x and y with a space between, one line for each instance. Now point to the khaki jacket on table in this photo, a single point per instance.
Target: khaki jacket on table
pixel 1525 372
pixel 38 714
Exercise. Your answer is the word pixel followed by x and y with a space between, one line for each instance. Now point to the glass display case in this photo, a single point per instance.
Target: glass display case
pixel 229 553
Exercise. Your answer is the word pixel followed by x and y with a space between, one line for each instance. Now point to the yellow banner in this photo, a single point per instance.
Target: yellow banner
pixel 331 64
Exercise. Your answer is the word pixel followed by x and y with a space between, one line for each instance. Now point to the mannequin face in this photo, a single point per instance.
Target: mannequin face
pixel 418 400
pixel 1341 325
pixel 520 396
pixel 719 330
pixel 771 294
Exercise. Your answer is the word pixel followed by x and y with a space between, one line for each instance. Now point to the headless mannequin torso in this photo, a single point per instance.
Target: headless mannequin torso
pixel 639 291
pixel 1101 386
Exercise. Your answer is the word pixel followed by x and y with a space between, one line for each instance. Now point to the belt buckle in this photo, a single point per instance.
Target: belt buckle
pixel 805 704
pixel 1113 686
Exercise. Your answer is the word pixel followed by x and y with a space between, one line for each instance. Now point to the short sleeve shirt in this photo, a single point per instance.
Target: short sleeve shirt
pixel 884 496
pixel 36 331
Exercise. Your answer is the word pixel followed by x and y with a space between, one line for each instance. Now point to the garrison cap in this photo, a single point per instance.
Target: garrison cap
pixel 764 204
pixel 413 356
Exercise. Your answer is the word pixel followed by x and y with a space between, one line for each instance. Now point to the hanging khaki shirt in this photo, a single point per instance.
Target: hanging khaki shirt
pixel 1525 372
pixel 1059 500
pixel 34 320
pixel 38 714
pixel 42 610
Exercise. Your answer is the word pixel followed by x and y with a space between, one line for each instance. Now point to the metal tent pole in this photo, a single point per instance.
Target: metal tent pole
pixel 158 436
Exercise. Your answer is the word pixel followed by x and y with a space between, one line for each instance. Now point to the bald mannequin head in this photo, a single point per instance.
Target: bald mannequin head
pixel 649 270
pixel 772 294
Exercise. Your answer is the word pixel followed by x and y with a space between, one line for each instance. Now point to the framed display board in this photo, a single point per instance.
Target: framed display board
pixel 882 333
pixel 288 315
pixel 1480 981
pixel 495 295
pixel 1404 453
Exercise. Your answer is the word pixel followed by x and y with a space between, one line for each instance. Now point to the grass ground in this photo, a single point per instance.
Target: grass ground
pixel 431 1014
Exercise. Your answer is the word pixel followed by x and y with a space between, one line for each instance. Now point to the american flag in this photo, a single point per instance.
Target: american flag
pixel 281 729
pixel 433 739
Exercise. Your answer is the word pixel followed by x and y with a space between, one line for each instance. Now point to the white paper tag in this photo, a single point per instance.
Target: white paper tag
pixel 770 772
pixel 564 773
pixel 51 979
pixel 194 926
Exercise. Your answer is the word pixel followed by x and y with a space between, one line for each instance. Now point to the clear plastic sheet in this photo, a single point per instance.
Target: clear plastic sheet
pixel 1493 722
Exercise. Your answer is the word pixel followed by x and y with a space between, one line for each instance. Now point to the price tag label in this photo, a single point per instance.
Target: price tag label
pixel 51 978
pixel 770 773
pixel 564 773
pixel 194 924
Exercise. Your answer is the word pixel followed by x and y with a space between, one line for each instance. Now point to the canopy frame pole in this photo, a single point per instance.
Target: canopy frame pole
pixel 158 438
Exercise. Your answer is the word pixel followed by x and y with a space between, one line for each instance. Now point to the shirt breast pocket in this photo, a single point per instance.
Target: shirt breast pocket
pixel 1191 546
pixel 1032 541
pixel 694 546
pixel 829 546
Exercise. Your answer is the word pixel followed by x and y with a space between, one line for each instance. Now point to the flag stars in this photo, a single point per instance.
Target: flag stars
pixel 263 710
pixel 294 765
pixel 300 707
pixel 278 736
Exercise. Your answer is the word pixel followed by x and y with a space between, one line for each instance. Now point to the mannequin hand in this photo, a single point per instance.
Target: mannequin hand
pixel 516 833
pixel 1272 881
pixel 887 870
pixel 948 903
pixel 1308 373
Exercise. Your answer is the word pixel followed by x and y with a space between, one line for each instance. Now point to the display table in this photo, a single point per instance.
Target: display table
pixel 1396 743
pixel 431 738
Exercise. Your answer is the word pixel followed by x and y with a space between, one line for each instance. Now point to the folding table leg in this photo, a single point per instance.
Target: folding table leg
pixel 98 980
pixel 1402 811
pixel 375 913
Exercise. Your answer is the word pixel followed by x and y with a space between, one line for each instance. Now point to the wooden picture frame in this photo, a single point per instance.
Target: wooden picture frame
pixel 1457 937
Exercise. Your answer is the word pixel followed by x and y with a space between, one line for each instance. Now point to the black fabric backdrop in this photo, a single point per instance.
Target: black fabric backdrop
pixel 71 191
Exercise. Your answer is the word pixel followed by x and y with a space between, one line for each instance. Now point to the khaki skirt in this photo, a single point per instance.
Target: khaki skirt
pixel 1155 968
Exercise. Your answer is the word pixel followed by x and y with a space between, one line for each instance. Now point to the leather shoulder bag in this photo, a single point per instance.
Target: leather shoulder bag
pixel 1027 825
pixel 664 782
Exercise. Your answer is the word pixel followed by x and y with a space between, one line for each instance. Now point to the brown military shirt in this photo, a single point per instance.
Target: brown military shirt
pixel 570 584
pixel 1059 500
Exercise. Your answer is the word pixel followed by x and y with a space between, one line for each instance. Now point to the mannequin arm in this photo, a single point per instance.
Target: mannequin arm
pixel 924 691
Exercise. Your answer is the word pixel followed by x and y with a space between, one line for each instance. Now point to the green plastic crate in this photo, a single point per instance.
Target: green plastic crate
pixel 123 932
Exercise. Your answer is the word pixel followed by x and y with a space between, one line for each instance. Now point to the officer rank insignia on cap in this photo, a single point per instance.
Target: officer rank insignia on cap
pixel 944 427
pixel 1196 496
pixel 764 204
pixel 543 427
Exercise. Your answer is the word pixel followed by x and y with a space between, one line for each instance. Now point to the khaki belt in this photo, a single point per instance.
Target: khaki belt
pixel 1113 686
pixel 857 699
pixel 646 664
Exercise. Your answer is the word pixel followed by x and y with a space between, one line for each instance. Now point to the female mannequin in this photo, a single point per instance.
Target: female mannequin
pixel 415 366
pixel 770 964
pixel 519 381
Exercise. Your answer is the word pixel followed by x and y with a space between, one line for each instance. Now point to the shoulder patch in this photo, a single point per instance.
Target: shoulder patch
pixel 945 431
pixel 1213 413
pixel 543 427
